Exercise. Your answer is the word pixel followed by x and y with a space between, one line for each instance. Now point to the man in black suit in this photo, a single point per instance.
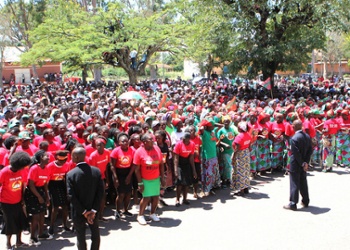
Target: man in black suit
pixel 85 190
pixel 301 148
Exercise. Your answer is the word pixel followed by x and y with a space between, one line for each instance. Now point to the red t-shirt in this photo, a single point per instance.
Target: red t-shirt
pixel 3 154
pixel 123 158
pixel 11 186
pixel 37 140
pixel 149 162
pixel 53 147
pixel 31 150
pixel 289 130
pixel 38 175
pixel 89 149
pixel 254 131
pixel 264 129
pixel 331 126
pixel 184 150
pixel 100 161
pixel 243 140
pixel 197 144
pixel 308 126
pixel 57 173
pixel 277 129
pixel 80 140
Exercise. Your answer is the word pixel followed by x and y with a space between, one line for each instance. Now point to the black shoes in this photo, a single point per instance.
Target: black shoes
pixel 290 206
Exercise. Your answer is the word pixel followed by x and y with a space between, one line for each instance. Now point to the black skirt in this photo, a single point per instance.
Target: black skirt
pixel 14 219
pixel 32 202
pixel 58 193
pixel 184 171
pixel 122 173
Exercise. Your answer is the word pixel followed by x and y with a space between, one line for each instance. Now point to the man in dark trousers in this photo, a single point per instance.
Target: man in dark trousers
pixel 85 190
pixel 301 148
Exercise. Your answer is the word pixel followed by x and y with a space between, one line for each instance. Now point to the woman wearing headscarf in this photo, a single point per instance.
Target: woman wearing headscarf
pixel 289 132
pixel 241 159
pixel 210 173
pixel 253 128
pixel 226 135
pixel 11 198
pixel 343 140
pixel 263 143
pixel 37 196
pixel 57 187
pixel 178 133
pixel 330 129
pixel 277 133
pixel 185 170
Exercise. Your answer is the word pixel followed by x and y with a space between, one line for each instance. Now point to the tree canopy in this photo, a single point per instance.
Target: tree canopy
pixel 78 37
pixel 280 35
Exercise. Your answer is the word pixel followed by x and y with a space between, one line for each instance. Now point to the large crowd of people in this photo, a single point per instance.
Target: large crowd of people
pixel 167 134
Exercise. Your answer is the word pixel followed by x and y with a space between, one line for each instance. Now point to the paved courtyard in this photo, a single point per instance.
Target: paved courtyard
pixel 223 221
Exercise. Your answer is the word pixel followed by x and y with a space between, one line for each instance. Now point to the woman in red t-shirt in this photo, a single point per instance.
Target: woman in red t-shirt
pixel 135 143
pixel 149 165
pixel 11 190
pixel 122 170
pixel 184 167
pixel 100 158
pixel 241 159
pixel 197 160
pixel 37 196
pixel 57 187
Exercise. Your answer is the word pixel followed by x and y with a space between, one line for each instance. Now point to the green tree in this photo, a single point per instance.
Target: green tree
pixel 68 34
pixel 211 34
pixel 280 35
pixel 148 27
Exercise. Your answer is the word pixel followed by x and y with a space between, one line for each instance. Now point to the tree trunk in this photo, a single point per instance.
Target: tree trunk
pixel 84 74
pixel 97 73
pixel 153 72
pixel 132 76
pixel 35 72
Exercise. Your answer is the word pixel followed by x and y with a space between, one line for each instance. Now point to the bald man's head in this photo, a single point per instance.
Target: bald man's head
pixel 78 154
pixel 297 125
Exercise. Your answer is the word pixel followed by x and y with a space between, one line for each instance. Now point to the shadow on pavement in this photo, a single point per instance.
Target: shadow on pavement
pixel 57 245
pixel 256 196
pixel 166 222
pixel 315 210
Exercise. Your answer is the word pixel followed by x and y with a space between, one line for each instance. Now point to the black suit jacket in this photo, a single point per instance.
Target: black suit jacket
pixel 85 188
pixel 301 148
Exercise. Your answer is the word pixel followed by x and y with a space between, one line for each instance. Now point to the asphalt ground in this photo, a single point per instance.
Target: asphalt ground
pixel 224 221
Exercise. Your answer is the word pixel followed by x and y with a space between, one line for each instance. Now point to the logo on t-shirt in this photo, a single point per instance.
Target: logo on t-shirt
pixel 16 185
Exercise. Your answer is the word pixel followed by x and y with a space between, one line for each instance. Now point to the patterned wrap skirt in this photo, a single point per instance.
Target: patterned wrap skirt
pixel 242 170
pixel 277 153
pixel 254 156
pixel 263 159
pixel 210 174
pixel 328 151
pixel 343 149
